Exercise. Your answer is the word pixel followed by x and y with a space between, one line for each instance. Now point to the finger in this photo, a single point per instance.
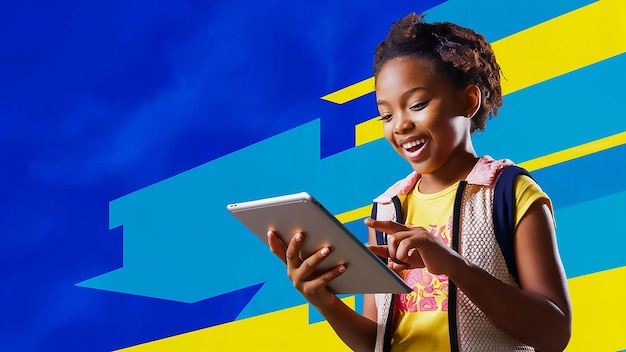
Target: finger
pixel 277 246
pixel 391 247
pixel 333 274
pixel 292 254
pixel 325 278
pixel 389 227
pixel 408 255
pixel 309 265
pixel 405 250
pixel 381 251
pixel 397 244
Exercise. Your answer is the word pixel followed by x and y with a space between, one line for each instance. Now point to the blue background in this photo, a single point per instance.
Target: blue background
pixel 100 100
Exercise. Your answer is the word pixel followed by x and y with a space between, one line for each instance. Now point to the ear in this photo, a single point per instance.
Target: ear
pixel 473 100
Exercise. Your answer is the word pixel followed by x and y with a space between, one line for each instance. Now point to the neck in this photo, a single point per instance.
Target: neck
pixel 453 171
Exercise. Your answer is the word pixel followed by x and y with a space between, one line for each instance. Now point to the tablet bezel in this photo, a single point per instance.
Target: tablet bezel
pixel 288 214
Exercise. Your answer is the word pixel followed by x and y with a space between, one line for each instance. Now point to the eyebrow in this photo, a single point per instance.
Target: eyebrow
pixel 404 95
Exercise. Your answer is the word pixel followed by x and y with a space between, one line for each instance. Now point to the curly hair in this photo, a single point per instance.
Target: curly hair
pixel 458 52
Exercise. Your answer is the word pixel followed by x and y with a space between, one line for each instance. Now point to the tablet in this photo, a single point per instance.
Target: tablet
pixel 300 212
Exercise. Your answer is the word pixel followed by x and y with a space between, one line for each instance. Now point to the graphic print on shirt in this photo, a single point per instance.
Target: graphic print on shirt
pixel 430 292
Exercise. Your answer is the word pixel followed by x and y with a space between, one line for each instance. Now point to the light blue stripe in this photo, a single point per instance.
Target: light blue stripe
pixel 592 235
pixel 496 19
pixel 566 111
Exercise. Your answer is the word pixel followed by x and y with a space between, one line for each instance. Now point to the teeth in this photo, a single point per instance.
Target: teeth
pixel 412 144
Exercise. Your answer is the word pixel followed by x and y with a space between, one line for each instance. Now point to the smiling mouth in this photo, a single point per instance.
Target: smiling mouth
pixel 413 146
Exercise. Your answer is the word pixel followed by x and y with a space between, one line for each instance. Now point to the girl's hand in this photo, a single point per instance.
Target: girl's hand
pixel 302 272
pixel 412 247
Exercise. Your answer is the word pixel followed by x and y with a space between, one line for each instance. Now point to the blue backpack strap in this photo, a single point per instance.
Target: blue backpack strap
pixel 504 214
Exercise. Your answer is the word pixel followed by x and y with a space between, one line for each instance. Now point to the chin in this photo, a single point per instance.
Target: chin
pixel 424 167
pixel 421 168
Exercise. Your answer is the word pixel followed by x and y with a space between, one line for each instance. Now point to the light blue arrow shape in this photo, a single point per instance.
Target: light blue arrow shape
pixel 181 244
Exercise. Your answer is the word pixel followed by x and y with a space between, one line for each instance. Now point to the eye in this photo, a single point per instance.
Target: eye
pixel 419 106
pixel 385 117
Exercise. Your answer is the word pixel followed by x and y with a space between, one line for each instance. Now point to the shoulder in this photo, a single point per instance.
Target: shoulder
pixel 527 192
pixel 525 183
pixel 527 187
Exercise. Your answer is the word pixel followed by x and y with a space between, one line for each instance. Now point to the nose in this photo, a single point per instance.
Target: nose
pixel 402 123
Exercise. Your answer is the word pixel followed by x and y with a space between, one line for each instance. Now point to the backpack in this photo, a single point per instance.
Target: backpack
pixel 503 215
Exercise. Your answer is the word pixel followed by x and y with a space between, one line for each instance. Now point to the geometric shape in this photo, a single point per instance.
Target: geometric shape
pixel 282 330
pixel 351 92
pixel 575 152
pixel 598 311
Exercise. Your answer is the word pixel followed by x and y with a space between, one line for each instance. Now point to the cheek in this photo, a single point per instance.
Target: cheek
pixel 388 132
pixel 452 131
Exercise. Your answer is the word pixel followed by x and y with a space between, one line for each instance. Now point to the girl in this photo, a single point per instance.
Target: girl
pixel 435 85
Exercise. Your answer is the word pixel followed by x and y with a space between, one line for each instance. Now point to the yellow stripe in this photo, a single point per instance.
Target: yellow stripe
pixel 564 44
pixel 368 131
pixel 575 152
pixel 351 92
pixel 598 311
pixel 356 214
pixel 283 330
pixel 597 315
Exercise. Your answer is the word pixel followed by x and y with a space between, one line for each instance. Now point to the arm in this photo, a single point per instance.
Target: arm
pixel 355 330
pixel 537 314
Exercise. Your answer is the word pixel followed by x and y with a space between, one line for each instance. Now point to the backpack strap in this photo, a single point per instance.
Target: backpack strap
pixel 396 213
pixel 391 212
pixel 504 214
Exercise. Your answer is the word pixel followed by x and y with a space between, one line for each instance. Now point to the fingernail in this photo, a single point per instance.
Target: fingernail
pixel 298 236
pixel 325 251
pixel 269 233
pixel 341 268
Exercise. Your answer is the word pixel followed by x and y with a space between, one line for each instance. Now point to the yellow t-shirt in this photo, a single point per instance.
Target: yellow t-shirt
pixel 422 321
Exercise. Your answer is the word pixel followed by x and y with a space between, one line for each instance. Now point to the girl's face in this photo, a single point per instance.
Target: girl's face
pixel 423 115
